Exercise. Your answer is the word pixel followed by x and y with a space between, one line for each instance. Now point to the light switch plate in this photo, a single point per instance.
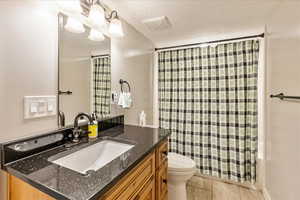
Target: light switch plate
pixel 39 106
pixel 50 107
pixel 33 107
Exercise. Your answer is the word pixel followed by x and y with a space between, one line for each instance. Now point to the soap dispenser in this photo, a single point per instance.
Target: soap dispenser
pixel 142 119
pixel 93 127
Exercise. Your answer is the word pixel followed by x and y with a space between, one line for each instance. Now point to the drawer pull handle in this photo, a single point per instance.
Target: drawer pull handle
pixel 165 181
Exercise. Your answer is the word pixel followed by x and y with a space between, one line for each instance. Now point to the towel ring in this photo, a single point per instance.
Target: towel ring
pixel 122 82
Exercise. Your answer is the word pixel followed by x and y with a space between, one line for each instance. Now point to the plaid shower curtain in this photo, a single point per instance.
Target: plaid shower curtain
pixel 208 98
pixel 101 85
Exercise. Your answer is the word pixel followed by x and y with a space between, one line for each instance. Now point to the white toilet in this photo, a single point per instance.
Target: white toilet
pixel 180 169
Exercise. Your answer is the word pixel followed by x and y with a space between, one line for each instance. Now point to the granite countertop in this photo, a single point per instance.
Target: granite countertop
pixel 63 183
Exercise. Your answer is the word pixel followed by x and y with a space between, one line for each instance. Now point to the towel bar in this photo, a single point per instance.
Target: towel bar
pixel 281 96
pixel 122 82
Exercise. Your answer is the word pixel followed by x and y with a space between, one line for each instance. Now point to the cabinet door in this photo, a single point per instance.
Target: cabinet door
pixel 19 190
pixel 147 193
pixel 161 154
pixel 162 182
pixel 134 181
pixel 165 197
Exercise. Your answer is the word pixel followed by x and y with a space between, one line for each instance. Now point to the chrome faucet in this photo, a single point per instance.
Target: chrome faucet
pixel 61 119
pixel 77 131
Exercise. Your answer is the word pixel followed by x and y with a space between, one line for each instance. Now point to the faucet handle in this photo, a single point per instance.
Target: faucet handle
pixel 76 134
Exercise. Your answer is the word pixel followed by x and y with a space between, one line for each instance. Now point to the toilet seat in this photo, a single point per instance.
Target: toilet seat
pixel 180 163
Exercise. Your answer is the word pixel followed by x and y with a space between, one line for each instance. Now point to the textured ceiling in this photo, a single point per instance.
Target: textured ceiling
pixel 202 20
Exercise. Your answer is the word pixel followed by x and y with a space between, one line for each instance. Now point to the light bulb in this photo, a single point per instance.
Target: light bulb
pixel 115 28
pixel 74 26
pixel 72 6
pixel 96 15
pixel 96 35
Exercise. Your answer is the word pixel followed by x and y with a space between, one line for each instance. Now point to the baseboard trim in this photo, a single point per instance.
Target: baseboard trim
pixel 266 194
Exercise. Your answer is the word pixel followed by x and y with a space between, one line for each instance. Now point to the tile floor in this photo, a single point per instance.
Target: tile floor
pixel 200 188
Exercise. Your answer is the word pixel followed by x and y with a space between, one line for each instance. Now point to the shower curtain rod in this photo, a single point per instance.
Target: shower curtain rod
pixel 211 42
pixel 104 55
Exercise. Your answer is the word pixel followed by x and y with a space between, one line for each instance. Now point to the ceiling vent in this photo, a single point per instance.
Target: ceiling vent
pixel 157 23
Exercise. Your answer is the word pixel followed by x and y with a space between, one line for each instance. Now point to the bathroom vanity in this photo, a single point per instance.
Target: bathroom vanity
pixel 140 173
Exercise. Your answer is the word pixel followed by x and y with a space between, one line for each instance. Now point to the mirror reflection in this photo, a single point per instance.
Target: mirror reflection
pixel 84 74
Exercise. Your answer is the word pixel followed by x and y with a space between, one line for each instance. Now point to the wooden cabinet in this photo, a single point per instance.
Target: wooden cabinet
pixel 161 154
pixel 148 192
pixel 146 181
pixel 133 182
pixel 162 171
pixel 162 181
pixel 19 190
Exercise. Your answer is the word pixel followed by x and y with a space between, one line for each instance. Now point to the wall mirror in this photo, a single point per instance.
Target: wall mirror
pixel 84 83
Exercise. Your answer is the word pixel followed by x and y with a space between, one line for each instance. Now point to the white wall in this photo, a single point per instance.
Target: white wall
pixel 283 138
pixel 28 64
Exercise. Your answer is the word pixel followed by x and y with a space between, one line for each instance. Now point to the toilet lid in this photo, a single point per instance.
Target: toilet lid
pixel 177 162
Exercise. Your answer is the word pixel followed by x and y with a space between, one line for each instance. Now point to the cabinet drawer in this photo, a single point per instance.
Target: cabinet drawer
pixel 134 181
pixel 162 182
pixel 161 154
pixel 148 192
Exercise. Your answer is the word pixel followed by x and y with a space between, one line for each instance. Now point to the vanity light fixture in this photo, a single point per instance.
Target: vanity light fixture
pixel 94 14
pixel 74 26
pixel 97 15
pixel 96 35
pixel 115 28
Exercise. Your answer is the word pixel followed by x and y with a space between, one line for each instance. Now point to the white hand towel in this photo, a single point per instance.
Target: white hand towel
pixel 127 100
pixel 121 99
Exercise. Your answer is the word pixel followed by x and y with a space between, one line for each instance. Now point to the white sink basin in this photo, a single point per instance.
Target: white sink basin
pixel 93 157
